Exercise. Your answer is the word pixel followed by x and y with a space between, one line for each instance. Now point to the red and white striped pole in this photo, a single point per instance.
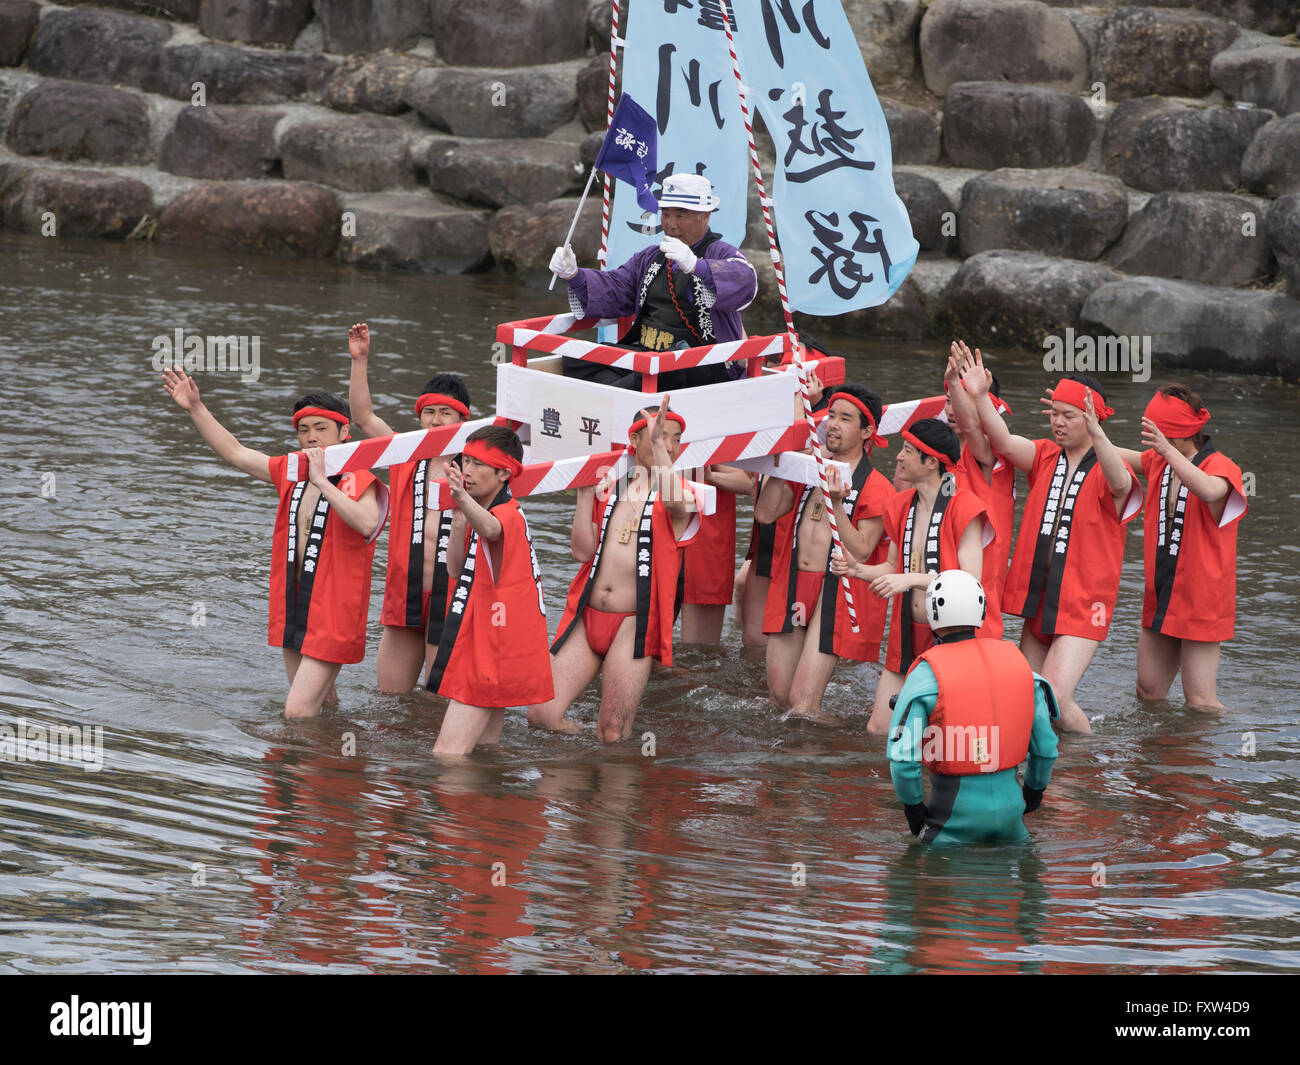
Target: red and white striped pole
pixel 607 194
pixel 785 310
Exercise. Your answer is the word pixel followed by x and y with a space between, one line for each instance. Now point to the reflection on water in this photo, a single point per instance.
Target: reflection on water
pixel 220 838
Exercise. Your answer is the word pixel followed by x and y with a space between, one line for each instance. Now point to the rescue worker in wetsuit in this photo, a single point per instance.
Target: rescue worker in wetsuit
pixel 970 711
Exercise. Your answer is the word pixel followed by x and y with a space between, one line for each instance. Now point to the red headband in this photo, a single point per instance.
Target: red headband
pixel 1075 392
pixel 641 423
pixel 437 398
pixel 1175 417
pixel 926 449
pixel 873 437
pixel 999 404
pixel 319 412
pixel 494 457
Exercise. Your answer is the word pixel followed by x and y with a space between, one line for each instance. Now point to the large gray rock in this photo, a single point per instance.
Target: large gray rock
pixel 988 124
pixel 913 312
pixel 232 75
pixel 222 142
pixel 927 209
pixel 497 173
pixel 526 102
pixel 913 133
pixel 1271 165
pixel 510 33
pixel 374 83
pixel 1018 298
pixel 254 21
pixel 60 119
pixel 362 154
pixel 1001 40
pixel 1268 77
pixel 1141 52
pixel 410 231
pixel 1070 213
pixel 600 21
pixel 1282 226
pixel 103 46
pixel 1201 327
pixel 590 148
pixel 524 237
pixel 352 27
pixel 886 34
pixel 1271 16
pixel 178 10
pixel 18 19
pixel 593 93
pixel 1159 145
pixel 1211 237
pixel 85 203
pixel 283 218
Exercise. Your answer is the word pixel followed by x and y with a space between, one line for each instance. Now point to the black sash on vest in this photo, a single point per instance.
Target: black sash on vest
pixel 662 324
pixel 830 595
pixel 644 566
pixel 831 583
pixel 930 559
pixel 450 629
pixel 1169 536
pixel 297 589
pixel 415 550
pixel 1053 544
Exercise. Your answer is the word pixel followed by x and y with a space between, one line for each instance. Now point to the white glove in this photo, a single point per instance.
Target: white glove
pixel 563 263
pixel 680 253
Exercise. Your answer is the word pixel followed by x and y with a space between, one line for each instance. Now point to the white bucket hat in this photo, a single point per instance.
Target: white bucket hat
pixel 691 192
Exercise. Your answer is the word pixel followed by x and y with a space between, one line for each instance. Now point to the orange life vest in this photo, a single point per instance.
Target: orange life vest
pixel 984 712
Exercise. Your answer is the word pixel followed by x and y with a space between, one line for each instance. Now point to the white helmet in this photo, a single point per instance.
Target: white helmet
pixel 955 599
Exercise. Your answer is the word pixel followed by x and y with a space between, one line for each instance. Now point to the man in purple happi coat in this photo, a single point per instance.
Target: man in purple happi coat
pixel 686 291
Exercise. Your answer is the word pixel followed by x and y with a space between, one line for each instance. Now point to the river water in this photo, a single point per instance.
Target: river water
pixel 217 837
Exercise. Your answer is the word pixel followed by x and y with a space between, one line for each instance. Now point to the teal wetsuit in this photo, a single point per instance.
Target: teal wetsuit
pixel 978 806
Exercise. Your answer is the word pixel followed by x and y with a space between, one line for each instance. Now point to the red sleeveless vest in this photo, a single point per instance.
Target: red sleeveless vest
pixel 984 712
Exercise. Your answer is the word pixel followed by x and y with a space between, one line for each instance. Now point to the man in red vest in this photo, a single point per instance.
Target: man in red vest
pixel 416 581
pixel 619 613
pixel 1064 575
pixel 1194 498
pixel 324 541
pixel 492 651
pixel 970 711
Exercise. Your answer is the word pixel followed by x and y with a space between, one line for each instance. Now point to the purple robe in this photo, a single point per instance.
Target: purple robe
pixel 723 285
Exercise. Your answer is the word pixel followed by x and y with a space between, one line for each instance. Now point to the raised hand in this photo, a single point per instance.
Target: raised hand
pixel 1046 401
pixel 657 426
pixel 1153 438
pixel 1090 419
pixel 455 480
pixel 974 377
pixel 181 387
pixel 359 341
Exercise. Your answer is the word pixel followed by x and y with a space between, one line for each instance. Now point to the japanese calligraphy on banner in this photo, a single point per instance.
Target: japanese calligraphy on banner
pixel 677 66
pixel 845 237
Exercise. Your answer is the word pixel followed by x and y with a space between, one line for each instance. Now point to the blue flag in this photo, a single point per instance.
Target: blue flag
pixel 628 151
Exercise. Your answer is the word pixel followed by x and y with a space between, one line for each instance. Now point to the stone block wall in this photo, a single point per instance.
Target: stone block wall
pixel 1064 164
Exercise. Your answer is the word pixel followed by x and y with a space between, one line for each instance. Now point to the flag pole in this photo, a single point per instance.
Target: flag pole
pixel 574 224
pixel 785 310
pixel 607 191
